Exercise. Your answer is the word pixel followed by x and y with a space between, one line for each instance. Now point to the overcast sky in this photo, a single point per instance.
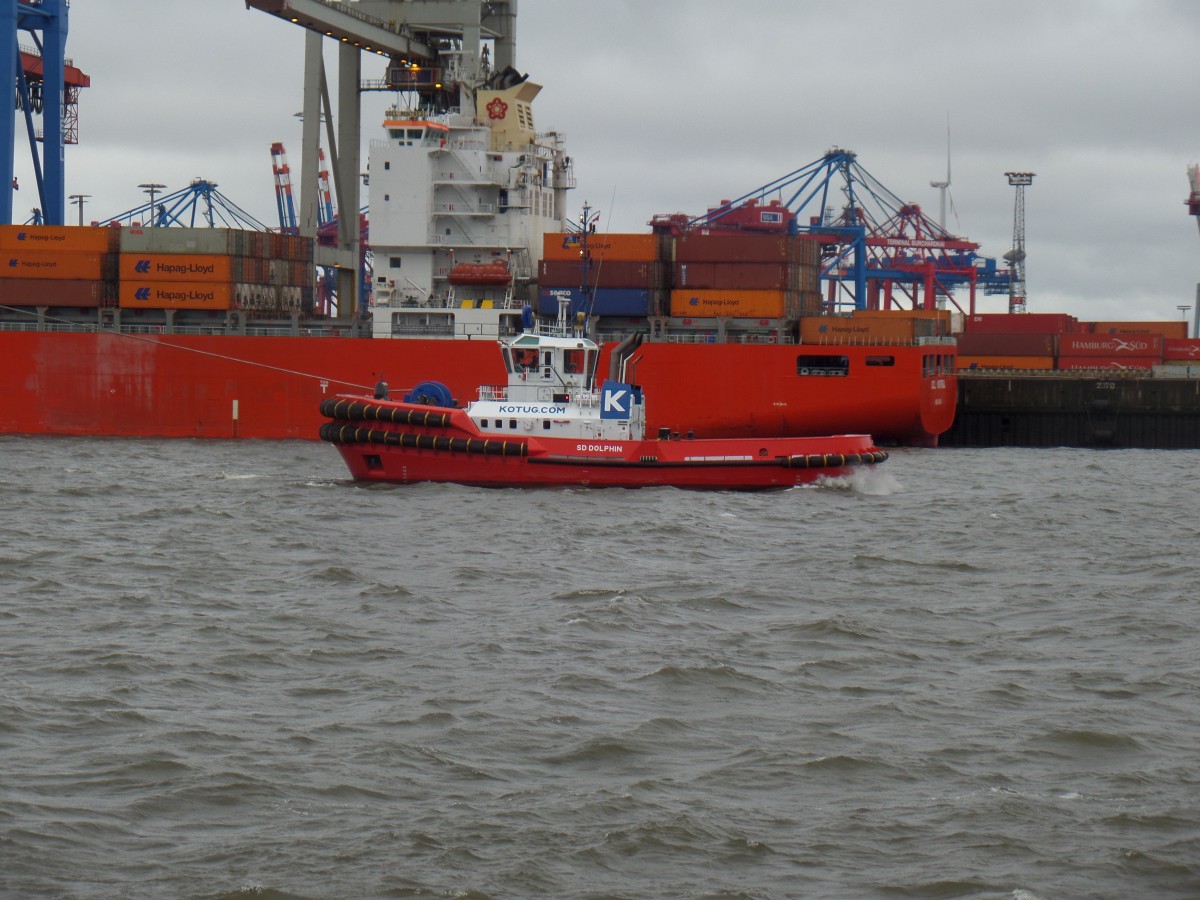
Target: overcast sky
pixel 673 105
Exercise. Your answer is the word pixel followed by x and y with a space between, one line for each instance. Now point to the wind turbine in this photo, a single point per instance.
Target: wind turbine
pixel 944 186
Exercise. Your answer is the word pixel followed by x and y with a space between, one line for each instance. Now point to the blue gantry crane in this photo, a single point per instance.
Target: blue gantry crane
pixel 875 246
pixel 46 82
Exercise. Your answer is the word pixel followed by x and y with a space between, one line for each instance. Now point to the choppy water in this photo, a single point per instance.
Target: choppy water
pixel 228 672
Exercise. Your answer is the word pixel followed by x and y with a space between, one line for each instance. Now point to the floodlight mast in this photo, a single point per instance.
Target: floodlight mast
pixel 1016 256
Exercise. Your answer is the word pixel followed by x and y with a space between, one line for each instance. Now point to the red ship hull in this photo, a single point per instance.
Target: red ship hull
pixel 227 386
pixel 405 443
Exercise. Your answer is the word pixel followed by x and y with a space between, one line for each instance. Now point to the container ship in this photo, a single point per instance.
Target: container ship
pixel 155 331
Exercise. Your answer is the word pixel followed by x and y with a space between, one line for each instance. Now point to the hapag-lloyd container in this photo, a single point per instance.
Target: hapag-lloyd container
pixel 54 264
pixel 628 247
pixel 1176 328
pixel 772 276
pixel 176 267
pixel 70 238
pixel 1004 362
pixel 1145 346
pixel 738 303
pixel 176 295
pixel 605 273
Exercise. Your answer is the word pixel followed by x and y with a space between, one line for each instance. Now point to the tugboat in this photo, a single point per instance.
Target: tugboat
pixel 550 426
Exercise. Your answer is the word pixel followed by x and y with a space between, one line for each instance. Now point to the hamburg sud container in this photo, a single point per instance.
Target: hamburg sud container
pixel 1181 349
pixel 1110 363
pixel 1132 346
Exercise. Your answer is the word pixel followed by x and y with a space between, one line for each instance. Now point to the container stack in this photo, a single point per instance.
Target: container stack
pixel 58 266
pixel 1057 341
pixel 625 270
pixel 215 269
pixel 744 275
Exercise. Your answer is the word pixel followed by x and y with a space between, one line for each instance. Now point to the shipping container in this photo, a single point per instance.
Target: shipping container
pixel 845 329
pixel 184 267
pixel 736 246
pixel 1022 323
pixel 1181 349
pixel 175 295
pixel 987 344
pixel 58 292
pixel 1146 346
pixel 608 301
pixel 984 361
pixel 738 275
pixel 629 247
pixel 71 238
pixel 202 241
pixel 54 264
pixel 1174 329
pixel 926 322
pixel 701 303
pixel 608 273
pixel 1114 363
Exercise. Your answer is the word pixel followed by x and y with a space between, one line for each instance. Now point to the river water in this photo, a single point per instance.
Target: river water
pixel 229 672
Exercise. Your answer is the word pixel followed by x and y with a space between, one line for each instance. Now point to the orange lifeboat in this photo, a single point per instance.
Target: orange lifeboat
pixel 481 274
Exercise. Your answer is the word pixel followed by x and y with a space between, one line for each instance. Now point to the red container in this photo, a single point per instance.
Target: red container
pixel 986 344
pixel 58 292
pixel 1181 348
pixel 1141 346
pixel 1114 363
pixel 1020 323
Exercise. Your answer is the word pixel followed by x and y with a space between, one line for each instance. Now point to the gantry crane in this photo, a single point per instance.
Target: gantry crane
pixel 47 83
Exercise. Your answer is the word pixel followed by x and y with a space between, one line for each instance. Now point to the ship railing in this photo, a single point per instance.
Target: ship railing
pixel 402 329
pixel 465 209
pixel 493 392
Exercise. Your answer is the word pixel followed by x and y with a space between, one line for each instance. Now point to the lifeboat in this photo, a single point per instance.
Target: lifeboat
pixel 493 274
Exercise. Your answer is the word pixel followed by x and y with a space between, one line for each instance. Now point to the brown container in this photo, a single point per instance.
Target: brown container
pixel 53 264
pixel 983 361
pixel 1174 329
pixel 735 275
pixel 175 295
pixel 1027 323
pixel 630 247
pixel 737 303
pixel 926 322
pixel 608 273
pixel 1142 346
pixel 58 292
pixel 985 344
pixel 728 247
pixel 59 238
pixel 176 267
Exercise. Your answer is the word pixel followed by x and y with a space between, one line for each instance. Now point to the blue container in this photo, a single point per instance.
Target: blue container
pixel 608 302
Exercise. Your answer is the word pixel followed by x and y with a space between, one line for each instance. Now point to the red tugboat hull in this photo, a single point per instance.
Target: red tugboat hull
pixel 407 443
